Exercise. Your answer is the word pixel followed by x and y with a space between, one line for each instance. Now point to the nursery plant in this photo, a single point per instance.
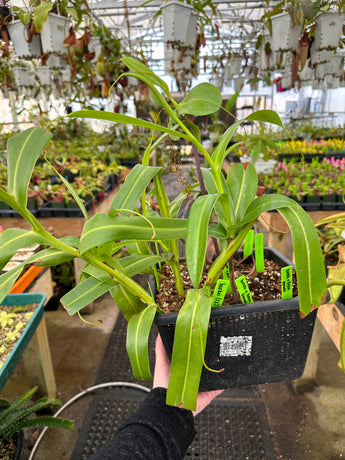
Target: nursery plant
pixel 14 417
pixel 225 209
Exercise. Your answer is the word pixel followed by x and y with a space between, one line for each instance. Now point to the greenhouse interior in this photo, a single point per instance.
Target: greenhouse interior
pixel 172 229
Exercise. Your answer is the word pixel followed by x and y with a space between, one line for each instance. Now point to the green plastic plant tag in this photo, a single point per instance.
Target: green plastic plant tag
pixel 248 244
pixel 286 282
pixel 220 292
pixel 259 252
pixel 243 289
pixel 226 276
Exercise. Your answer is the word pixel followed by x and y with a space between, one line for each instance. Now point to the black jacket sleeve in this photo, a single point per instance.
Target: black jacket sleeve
pixel 156 431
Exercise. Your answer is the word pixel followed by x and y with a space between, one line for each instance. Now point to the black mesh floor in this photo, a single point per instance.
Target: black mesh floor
pixel 233 427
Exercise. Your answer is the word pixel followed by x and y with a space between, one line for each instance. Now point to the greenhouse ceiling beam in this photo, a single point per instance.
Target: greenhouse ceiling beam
pixel 111 4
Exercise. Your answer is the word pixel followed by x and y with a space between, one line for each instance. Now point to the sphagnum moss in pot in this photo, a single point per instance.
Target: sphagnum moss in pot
pixel 226 212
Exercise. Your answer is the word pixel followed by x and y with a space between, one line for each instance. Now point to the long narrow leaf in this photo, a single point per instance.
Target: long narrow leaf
pixel 189 350
pixel 310 269
pixel 133 187
pixel 123 227
pixel 138 332
pixel 23 150
pixel 127 302
pixel 197 232
pixel 242 185
pixel 13 239
pixel 220 151
pixel 84 293
pixel 136 66
pixel 118 118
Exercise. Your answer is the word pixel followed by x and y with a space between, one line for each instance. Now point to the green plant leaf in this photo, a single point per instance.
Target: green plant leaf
pixel 197 232
pixel 118 118
pixel 103 228
pixel 51 257
pixel 138 332
pixel 136 66
pixel 41 14
pixel 23 150
pixel 127 302
pixel 242 184
pixel 11 408
pixel 13 239
pixel 224 207
pixel 135 184
pixel 269 116
pixel 310 268
pixel 7 280
pixel 220 151
pixel 203 99
pixel 24 17
pixel 136 263
pixel 84 293
pixel 189 350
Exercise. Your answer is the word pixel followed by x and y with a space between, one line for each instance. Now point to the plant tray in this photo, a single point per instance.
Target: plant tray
pixel 47 210
pixel 255 343
pixel 21 299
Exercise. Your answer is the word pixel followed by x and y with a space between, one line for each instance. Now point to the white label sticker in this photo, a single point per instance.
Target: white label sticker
pixel 343 233
pixel 236 346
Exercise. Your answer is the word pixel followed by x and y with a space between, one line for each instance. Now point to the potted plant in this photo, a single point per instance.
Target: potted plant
pixel 328 30
pixel 234 199
pixel 14 417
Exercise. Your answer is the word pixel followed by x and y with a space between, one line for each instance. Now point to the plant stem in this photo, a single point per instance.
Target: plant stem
pixel 220 262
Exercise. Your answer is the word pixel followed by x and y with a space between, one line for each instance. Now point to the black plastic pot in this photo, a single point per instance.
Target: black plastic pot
pixel 255 343
pixel 19 442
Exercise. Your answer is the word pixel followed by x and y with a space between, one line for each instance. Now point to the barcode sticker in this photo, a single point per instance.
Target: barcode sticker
pixel 236 346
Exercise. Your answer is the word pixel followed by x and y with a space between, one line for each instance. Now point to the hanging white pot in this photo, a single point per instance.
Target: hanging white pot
pixel 56 62
pixel 286 81
pixel 54 31
pixel 332 82
pixel 19 35
pixel 283 60
pixel 235 66
pixel 307 73
pixel 319 56
pixel 179 22
pixel 23 76
pixel 65 75
pixel 336 65
pixel 266 58
pixel 238 84
pixel 321 70
pixel 217 81
pixel 317 84
pixel 329 25
pixel 44 75
pixel 285 33
pixel 96 46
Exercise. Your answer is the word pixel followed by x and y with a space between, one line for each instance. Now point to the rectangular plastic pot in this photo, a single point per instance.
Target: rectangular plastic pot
pixel 53 34
pixel 255 343
pixel 21 299
pixel 19 34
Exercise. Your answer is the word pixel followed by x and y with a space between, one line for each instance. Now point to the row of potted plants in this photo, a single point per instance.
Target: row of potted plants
pixel 319 183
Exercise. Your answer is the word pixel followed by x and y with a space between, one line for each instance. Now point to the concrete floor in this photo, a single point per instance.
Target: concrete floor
pixel 309 425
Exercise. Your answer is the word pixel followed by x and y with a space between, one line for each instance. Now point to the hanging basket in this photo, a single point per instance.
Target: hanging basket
pixel 321 70
pixel 254 343
pixel 235 66
pixel 45 76
pixel 180 23
pixel 238 84
pixel 329 26
pixel 217 81
pixel 285 33
pixel 19 35
pixel 336 65
pixel 56 62
pixel 24 76
pixel 319 56
pixel 307 73
pixel 266 58
pixel 54 32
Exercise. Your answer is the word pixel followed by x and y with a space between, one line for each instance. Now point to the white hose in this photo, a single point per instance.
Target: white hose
pixel 83 393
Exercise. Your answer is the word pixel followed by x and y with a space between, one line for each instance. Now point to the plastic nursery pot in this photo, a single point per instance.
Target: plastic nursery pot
pixel 13 357
pixel 255 343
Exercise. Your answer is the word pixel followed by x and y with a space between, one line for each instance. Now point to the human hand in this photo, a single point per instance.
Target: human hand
pixel 161 378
